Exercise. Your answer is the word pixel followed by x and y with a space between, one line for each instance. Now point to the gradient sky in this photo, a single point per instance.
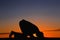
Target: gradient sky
pixel 43 13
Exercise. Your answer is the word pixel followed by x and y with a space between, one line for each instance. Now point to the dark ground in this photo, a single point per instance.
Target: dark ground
pixel 29 39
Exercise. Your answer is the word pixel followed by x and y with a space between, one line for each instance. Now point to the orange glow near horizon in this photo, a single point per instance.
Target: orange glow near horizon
pixel 42 27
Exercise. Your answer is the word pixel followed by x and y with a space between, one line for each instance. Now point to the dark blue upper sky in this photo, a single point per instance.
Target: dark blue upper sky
pixel 14 8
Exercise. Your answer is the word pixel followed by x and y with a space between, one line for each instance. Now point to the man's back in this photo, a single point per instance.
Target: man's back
pixel 27 27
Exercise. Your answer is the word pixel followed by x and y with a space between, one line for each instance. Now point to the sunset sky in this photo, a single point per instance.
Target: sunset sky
pixel 45 14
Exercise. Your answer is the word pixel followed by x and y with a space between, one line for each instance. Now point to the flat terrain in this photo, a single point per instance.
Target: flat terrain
pixel 29 39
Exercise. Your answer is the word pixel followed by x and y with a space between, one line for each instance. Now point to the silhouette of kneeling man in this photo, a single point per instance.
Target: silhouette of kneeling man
pixel 28 30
